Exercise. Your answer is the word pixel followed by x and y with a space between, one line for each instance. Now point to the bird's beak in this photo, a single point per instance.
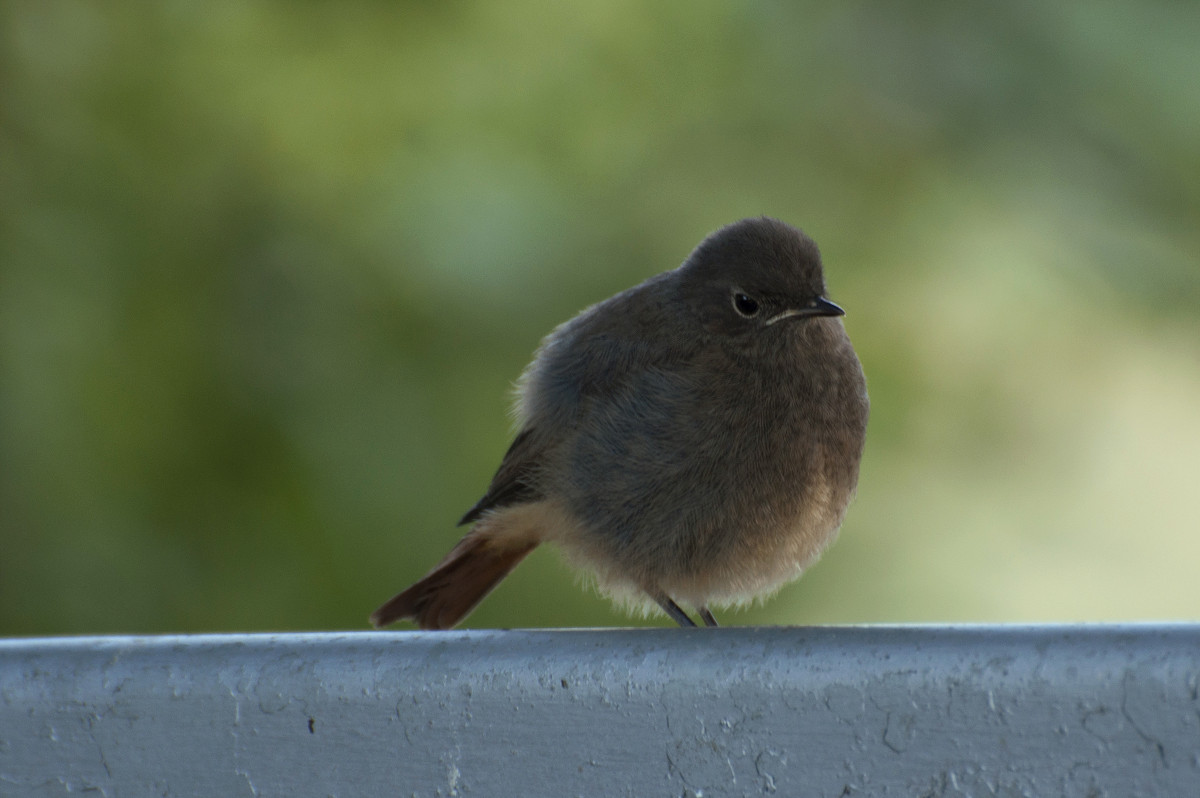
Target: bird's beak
pixel 818 307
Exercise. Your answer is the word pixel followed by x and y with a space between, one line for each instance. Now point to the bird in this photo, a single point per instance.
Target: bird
pixel 695 440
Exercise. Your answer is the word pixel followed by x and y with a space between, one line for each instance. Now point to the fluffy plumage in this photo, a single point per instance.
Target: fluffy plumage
pixel 693 439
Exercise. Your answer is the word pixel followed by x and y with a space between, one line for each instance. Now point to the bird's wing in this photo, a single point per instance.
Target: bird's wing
pixel 585 364
pixel 512 483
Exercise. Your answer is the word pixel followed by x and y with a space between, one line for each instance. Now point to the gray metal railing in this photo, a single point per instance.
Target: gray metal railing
pixel 895 711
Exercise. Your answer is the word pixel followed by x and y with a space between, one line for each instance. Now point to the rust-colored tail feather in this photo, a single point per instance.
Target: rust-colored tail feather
pixel 460 581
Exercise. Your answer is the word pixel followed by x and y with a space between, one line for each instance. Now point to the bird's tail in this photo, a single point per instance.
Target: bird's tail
pixel 460 581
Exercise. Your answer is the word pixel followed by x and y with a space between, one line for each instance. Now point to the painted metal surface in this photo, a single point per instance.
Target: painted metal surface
pixel 890 711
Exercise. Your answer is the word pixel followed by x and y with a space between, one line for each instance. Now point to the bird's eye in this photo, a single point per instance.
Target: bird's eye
pixel 745 305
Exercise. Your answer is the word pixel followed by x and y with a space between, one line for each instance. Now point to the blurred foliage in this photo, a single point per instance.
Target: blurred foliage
pixel 268 270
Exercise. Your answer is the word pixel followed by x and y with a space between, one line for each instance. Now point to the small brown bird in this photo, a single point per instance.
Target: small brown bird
pixel 693 439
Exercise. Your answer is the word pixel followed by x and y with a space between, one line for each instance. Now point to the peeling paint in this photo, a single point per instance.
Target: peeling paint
pixel 936 711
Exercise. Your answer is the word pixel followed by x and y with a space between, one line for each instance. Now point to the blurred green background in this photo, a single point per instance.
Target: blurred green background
pixel 268 271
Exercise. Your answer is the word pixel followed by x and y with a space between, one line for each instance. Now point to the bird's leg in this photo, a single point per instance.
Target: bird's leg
pixel 707 617
pixel 671 608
